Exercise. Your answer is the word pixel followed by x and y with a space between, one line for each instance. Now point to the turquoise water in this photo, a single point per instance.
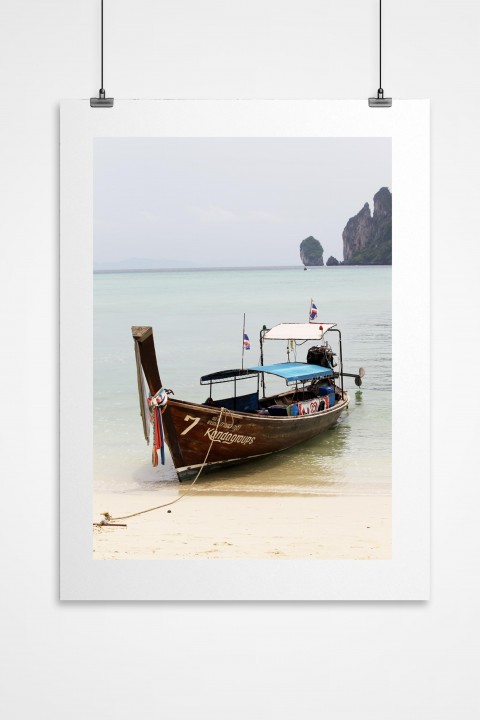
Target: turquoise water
pixel 197 318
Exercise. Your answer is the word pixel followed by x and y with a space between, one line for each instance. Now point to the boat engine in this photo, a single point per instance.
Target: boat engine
pixel 321 355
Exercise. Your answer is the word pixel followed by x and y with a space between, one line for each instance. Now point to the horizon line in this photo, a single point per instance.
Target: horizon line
pixel 229 268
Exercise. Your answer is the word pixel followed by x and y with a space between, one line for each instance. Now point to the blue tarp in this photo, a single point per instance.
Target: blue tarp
pixel 293 371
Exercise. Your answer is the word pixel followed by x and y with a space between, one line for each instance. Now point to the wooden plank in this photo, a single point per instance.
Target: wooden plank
pixel 148 359
pixel 141 332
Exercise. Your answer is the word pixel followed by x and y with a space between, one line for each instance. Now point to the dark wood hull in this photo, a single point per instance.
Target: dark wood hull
pixel 190 430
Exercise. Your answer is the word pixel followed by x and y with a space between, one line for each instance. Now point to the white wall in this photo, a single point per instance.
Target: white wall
pixel 330 660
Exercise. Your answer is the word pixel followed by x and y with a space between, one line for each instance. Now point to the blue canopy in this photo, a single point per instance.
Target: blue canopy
pixel 293 371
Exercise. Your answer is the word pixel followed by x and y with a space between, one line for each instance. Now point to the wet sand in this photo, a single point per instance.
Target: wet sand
pixel 244 527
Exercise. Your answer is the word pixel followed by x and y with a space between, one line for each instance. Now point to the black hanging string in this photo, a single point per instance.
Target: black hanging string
pixel 380 89
pixel 101 101
pixel 102 91
pixel 380 101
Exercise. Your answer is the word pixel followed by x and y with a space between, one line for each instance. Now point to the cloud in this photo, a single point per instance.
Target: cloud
pixel 213 214
pixel 263 216
pixel 148 217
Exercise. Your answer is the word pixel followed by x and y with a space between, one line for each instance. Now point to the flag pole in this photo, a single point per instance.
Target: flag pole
pixel 243 339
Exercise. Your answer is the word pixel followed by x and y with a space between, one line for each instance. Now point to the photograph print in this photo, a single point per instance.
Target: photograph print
pixel 242 348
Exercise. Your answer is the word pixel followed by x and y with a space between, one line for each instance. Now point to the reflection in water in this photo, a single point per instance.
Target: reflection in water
pixel 305 468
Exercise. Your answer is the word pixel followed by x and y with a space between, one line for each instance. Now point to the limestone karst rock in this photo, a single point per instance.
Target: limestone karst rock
pixel 311 251
pixel 367 238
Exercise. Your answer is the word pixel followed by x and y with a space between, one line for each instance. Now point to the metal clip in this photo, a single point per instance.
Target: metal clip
pixel 101 101
pixel 380 101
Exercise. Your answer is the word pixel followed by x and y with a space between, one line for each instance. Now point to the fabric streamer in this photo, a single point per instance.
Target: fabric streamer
pixel 162 439
pixel 157 405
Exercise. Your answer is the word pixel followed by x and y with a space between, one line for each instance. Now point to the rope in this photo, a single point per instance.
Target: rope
pixel 226 412
pixel 111 519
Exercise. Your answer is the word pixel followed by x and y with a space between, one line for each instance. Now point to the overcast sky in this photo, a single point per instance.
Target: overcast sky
pixel 230 201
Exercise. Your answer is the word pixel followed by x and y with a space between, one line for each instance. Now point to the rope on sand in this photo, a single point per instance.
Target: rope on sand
pixel 109 520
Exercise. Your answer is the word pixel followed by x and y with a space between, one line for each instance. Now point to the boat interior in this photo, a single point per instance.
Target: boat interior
pixel 315 395
pixel 311 384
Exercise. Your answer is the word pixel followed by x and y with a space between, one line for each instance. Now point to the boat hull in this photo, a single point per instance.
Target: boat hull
pixel 198 437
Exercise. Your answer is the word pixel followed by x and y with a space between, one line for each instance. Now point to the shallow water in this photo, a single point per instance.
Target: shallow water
pixel 197 318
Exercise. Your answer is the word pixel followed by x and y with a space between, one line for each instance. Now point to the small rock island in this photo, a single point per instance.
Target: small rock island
pixel 311 251
pixel 332 261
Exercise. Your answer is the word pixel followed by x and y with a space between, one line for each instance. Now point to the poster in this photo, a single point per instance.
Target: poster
pixel 212 226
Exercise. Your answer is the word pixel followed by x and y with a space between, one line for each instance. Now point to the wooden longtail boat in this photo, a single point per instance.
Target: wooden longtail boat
pixel 242 427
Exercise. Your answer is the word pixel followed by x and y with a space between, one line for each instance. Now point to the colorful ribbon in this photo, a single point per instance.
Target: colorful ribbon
pixel 157 405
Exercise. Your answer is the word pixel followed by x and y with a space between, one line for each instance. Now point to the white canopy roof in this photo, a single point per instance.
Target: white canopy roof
pixel 298 331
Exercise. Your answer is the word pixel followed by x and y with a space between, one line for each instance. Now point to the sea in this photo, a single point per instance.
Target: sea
pixel 197 318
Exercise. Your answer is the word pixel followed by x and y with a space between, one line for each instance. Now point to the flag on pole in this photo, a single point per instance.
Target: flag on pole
pixel 313 311
pixel 246 342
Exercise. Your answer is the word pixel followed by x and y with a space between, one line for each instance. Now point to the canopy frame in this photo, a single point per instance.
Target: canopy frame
pixel 301 331
pixel 297 331
pixel 294 372
pixel 224 376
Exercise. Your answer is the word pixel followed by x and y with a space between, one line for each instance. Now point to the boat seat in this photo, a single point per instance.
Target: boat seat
pixel 277 410
pixel 242 403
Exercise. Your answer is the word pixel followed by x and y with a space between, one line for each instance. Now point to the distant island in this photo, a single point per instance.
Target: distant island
pixel 332 261
pixel 132 264
pixel 311 251
pixel 367 238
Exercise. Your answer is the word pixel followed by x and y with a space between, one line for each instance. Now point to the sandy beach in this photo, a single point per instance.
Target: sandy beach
pixel 245 527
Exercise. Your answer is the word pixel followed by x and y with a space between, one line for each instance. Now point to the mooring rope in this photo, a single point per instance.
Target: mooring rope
pixel 109 519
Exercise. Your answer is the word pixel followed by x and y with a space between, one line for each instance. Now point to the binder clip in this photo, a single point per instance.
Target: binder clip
pixel 101 101
pixel 379 101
